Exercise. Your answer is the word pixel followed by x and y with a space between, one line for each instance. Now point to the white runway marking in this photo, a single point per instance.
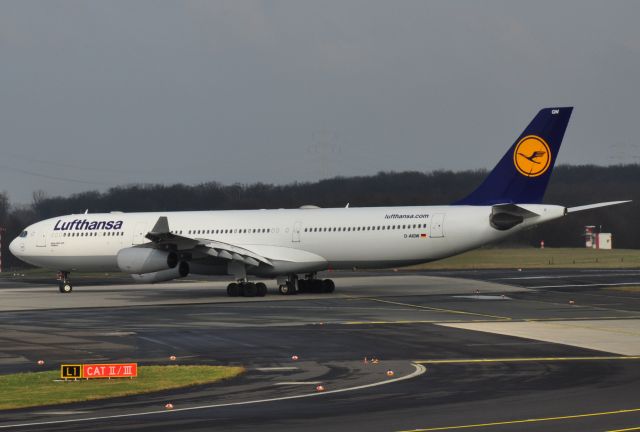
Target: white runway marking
pixel 419 370
pixel 585 285
pixel 275 369
pixel 483 297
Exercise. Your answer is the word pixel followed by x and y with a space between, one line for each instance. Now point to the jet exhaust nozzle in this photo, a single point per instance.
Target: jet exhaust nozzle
pixel 146 260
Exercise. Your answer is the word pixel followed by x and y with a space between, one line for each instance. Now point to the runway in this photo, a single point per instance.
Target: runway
pixel 478 350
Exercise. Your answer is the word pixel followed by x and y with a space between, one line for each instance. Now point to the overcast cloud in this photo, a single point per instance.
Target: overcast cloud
pixel 96 94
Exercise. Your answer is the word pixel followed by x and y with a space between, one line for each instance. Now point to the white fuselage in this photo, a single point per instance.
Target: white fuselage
pixel 297 240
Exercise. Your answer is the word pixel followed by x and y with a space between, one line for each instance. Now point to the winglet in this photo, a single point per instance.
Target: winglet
pixel 160 230
pixel 161 226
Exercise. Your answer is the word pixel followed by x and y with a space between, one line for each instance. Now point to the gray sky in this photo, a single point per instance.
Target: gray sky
pixel 99 93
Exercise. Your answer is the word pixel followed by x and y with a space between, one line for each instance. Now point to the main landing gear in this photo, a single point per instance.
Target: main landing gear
pixel 310 284
pixel 64 284
pixel 316 286
pixel 290 285
pixel 246 289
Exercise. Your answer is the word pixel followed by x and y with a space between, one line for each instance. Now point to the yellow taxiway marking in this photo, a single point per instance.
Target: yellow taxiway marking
pixel 625 430
pixel 534 420
pixel 453 311
pixel 526 359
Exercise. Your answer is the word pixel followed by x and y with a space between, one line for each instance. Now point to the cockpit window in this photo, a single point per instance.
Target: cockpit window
pixel 23 234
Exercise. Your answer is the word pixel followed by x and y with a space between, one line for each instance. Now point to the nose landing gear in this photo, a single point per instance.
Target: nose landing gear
pixel 64 284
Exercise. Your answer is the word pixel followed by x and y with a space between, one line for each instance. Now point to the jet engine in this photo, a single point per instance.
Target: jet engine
pixel 179 271
pixel 146 260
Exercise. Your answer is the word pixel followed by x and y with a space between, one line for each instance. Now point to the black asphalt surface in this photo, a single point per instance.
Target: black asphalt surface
pixel 332 336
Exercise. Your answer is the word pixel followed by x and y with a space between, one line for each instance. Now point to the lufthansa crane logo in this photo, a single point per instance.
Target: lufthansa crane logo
pixel 532 156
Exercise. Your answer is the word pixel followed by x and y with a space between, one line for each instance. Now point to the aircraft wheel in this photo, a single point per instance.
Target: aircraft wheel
pixel 250 289
pixel 233 290
pixel 284 289
pixel 303 286
pixel 288 289
pixel 65 288
pixel 328 286
pixel 292 288
pixel 262 289
pixel 316 286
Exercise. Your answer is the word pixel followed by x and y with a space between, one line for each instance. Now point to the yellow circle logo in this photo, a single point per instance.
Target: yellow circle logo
pixel 532 156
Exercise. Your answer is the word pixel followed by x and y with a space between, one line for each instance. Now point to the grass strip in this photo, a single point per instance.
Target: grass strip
pixel 32 389
pixel 499 258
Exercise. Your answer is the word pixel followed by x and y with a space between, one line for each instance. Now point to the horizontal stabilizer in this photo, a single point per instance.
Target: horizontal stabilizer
pixel 593 206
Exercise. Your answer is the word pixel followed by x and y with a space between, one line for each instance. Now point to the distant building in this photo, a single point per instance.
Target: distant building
pixel 597 240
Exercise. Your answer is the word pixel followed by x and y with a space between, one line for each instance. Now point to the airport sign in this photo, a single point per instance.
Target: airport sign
pixel 101 370
pixel 71 371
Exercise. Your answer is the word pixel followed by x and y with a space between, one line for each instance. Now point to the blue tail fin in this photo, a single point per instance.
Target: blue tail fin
pixel 522 174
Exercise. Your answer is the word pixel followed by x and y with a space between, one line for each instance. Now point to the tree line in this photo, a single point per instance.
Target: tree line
pixel 569 185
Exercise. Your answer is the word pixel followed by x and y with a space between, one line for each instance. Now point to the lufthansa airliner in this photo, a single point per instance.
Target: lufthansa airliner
pixel 293 245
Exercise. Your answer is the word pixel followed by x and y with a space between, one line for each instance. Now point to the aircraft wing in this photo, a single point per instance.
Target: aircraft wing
pixel 161 235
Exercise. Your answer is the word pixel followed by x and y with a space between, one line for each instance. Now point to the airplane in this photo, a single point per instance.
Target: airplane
pixel 293 245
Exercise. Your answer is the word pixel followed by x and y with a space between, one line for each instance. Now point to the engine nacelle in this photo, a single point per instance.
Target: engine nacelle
pixel 179 271
pixel 146 260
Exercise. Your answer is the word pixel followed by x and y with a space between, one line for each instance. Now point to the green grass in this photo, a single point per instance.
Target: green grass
pixel 626 289
pixel 499 258
pixel 42 388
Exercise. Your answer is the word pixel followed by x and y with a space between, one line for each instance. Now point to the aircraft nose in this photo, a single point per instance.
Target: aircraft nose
pixel 14 248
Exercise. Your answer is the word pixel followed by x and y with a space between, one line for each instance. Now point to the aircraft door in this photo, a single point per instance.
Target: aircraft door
pixel 139 234
pixel 437 225
pixel 295 237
